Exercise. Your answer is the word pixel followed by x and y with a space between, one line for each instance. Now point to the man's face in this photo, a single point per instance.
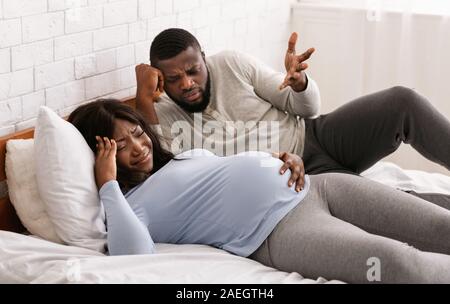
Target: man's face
pixel 186 79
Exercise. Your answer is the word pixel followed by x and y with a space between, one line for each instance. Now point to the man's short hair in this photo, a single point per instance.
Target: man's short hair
pixel 171 42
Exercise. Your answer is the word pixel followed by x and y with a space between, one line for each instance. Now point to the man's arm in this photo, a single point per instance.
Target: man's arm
pixel 150 84
pixel 146 107
pixel 266 83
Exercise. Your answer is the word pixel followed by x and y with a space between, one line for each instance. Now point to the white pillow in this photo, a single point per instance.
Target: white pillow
pixel 65 177
pixel 23 190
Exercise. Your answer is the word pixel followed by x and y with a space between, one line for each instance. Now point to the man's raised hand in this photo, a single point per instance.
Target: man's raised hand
pixel 295 66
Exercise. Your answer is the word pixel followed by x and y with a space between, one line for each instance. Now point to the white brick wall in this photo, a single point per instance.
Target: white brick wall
pixel 59 5
pixel 31 104
pixel 83 19
pixel 125 56
pixel 54 73
pixel 85 66
pixel 120 12
pixel 142 51
pixel 10 111
pixel 65 95
pixel 25 124
pixel 110 37
pixel 102 84
pixel 42 26
pixel 164 7
pixel 5 60
pixel 127 77
pixel 146 9
pixel 19 8
pixel 137 31
pixel 62 53
pixel 10 32
pixel 8 129
pixel 32 54
pixel 105 61
pixel 183 5
pixel 73 45
pixel 16 83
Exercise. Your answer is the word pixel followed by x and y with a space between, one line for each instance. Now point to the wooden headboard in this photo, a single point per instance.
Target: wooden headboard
pixel 8 217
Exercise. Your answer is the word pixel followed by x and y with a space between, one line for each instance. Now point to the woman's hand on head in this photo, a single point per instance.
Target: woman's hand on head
pixel 105 161
pixel 294 163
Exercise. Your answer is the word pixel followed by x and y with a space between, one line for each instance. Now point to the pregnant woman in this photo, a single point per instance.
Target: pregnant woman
pixel 333 225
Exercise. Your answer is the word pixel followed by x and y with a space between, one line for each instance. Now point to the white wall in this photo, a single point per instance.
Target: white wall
pixel 358 53
pixel 61 53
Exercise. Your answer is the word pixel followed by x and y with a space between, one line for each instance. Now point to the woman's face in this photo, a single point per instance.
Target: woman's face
pixel 134 147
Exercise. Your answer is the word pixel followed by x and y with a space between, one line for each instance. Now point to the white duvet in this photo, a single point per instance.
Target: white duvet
pixel 419 181
pixel 27 259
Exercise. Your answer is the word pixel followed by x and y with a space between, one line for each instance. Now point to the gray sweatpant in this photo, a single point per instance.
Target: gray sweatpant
pixel 355 136
pixel 356 230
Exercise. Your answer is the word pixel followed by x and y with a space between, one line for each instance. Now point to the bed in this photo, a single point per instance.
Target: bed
pixel 27 258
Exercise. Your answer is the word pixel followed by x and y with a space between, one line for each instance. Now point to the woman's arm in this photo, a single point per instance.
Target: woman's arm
pixel 127 234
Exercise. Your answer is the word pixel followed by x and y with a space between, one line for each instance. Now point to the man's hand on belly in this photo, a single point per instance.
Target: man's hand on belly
pixel 294 163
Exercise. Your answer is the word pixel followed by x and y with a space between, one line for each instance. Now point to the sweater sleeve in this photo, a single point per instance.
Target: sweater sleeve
pixel 266 82
pixel 127 234
pixel 164 139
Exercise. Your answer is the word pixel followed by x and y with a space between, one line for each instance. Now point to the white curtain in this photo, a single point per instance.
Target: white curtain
pixel 368 45
pixel 409 44
pixel 411 50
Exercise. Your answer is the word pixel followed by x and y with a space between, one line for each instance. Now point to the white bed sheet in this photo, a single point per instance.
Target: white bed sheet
pixel 27 259
pixel 419 181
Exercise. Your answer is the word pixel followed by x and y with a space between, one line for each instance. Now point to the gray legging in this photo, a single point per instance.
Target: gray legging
pixel 346 220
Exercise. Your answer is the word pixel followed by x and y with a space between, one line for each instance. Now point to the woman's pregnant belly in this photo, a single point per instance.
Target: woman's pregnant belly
pixel 256 188
pixel 212 196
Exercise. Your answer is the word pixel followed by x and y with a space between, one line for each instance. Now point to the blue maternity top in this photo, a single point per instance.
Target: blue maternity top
pixel 231 202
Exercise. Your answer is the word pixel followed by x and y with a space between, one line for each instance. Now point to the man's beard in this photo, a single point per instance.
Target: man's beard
pixel 195 107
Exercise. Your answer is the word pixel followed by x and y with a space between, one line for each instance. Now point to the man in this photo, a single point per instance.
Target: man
pixel 232 87
pixel 211 88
